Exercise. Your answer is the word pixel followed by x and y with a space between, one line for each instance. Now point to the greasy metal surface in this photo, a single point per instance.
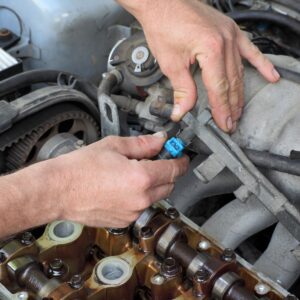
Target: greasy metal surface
pixel 113 266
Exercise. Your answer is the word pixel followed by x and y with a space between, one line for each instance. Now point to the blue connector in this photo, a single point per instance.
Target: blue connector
pixel 174 147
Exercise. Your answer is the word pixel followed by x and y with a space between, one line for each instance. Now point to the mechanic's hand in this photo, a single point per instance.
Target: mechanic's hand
pixel 110 182
pixel 181 32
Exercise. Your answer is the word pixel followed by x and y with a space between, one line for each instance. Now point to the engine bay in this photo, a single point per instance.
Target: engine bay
pixel 231 228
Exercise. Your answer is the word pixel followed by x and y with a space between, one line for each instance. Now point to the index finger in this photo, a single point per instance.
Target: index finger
pixel 165 171
pixel 215 80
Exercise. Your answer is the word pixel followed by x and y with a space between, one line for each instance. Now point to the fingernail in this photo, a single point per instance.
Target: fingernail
pixel 229 123
pixel 275 74
pixel 161 134
pixel 177 111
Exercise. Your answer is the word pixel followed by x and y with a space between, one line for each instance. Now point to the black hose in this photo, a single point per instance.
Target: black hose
pixel 288 74
pixel 266 16
pixel 47 76
pixel 261 159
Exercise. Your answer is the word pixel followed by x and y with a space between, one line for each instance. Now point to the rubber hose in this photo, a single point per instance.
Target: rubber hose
pixel 267 16
pixel 28 78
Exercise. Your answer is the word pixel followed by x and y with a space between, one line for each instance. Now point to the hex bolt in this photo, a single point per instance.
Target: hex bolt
pixel 27 238
pixel 262 289
pixel 146 232
pixel 56 268
pixel 172 213
pixel 170 267
pixel 76 281
pixel 201 275
pixel 2 257
pixel 228 255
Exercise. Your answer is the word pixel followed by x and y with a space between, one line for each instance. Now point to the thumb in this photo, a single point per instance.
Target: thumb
pixel 185 92
pixel 143 146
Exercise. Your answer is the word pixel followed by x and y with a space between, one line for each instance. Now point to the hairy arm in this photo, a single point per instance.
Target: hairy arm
pixel 28 198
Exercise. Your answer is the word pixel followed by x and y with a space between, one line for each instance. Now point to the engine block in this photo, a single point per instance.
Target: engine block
pixel 162 256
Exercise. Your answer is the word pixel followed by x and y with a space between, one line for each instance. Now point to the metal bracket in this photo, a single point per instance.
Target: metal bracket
pixel 110 122
pixel 231 155
pixel 209 169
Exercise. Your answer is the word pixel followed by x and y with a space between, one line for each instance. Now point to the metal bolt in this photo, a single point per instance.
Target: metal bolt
pixel 262 289
pixel 204 245
pixel 76 281
pixel 146 232
pixel 201 275
pixel 56 268
pixel 170 267
pixel 228 255
pixel 2 257
pixel 27 238
pixel 172 213
pixel 117 231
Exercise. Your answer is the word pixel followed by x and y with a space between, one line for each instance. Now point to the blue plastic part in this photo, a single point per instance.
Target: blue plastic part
pixel 175 146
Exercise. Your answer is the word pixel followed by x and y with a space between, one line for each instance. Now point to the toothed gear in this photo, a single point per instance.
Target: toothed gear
pixel 24 151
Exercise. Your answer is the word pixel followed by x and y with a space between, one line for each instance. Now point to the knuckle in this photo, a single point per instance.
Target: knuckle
pixel 145 181
pixel 216 44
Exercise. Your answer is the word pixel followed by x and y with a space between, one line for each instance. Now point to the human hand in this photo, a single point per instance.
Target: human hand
pixel 182 32
pixel 110 183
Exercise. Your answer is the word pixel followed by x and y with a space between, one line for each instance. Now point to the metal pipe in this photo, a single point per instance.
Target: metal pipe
pixel 237 221
pixel 278 261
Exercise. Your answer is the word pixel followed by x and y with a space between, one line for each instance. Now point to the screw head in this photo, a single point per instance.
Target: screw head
pixel 76 281
pixel 228 255
pixel 201 275
pixel 56 268
pixel 146 232
pixel 172 213
pixel 170 267
pixel 262 289
pixel 27 238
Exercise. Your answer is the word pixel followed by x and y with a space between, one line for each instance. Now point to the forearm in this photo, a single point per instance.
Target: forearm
pixel 25 199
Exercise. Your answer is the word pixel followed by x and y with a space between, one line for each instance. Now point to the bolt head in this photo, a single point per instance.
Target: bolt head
pixel 172 213
pixel 76 281
pixel 228 255
pixel 201 275
pixel 262 289
pixel 27 238
pixel 146 232
pixel 170 267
